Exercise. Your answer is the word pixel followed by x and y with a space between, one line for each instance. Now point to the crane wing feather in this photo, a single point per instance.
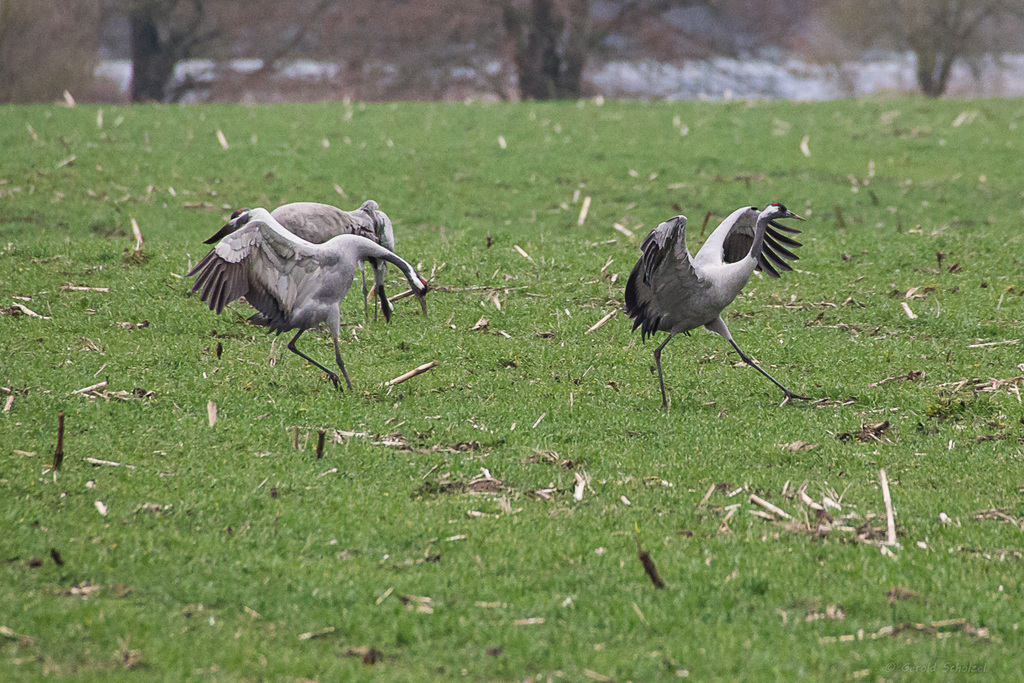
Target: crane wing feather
pixel 764 266
pixel 664 274
pixel 775 259
pixel 738 238
pixel 773 255
pixel 782 239
pixel 784 228
pixel 262 261
pixel 736 246
pixel 318 223
pixel 774 244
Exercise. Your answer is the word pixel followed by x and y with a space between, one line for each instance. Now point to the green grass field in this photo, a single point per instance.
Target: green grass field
pixel 225 553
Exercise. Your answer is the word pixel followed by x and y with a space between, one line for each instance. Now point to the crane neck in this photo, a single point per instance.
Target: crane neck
pixel 759 231
pixel 393 258
pixel 370 250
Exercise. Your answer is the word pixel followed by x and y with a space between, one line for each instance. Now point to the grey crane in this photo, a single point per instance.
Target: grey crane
pixel 672 291
pixel 317 223
pixel 295 283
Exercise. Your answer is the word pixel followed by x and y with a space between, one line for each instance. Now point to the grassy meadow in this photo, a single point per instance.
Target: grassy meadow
pixel 442 534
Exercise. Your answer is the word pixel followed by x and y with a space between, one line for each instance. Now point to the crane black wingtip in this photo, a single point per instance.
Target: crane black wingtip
pixel 785 228
pixel 765 267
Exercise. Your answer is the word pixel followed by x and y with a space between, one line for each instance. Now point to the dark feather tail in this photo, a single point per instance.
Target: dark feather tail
pixel 385 305
pixel 259 320
pixel 636 309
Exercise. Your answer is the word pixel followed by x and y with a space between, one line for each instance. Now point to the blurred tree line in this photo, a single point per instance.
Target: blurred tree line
pixel 397 49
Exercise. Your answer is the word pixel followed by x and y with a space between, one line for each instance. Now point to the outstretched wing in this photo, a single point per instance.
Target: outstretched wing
pixel 774 250
pixel 662 278
pixel 740 237
pixel 272 268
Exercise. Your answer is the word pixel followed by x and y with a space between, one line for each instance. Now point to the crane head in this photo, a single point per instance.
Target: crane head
pixel 775 211
pixel 382 228
pixel 239 217
pixel 421 292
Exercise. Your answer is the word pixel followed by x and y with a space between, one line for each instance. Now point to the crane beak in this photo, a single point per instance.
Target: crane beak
pixel 423 296
pixel 790 214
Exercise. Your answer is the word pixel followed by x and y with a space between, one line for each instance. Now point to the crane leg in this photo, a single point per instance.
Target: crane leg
pixel 331 375
pixel 789 394
pixel 661 377
pixel 718 327
pixel 341 364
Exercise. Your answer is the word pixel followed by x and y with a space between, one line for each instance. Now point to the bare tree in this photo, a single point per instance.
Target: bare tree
pixel 938 32
pixel 414 50
pixel 549 46
pixel 46 47
pixel 162 33
pixel 551 41
pixel 367 49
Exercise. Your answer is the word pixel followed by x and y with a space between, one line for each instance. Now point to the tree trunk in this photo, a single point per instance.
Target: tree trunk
pixel 945 38
pixel 926 72
pixel 934 67
pixel 152 61
pixel 549 52
pixel 576 48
